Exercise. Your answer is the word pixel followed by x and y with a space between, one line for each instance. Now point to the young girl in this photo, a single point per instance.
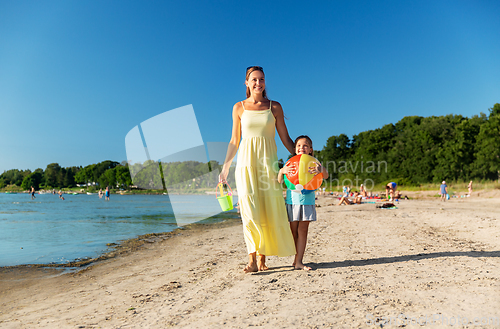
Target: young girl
pixel 301 208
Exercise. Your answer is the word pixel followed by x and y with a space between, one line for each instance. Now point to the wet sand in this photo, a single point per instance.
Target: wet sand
pixel 430 262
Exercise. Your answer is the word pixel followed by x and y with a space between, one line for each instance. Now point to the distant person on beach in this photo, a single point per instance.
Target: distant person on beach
pixel 389 190
pixel 362 190
pixel 346 201
pixel 470 188
pixel 107 193
pixel 33 193
pixel 262 207
pixel 301 208
pixel 100 193
pixel 60 195
pixel 397 195
pixel 443 191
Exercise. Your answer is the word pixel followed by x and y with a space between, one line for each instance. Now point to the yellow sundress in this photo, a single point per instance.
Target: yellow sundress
pixel 262 207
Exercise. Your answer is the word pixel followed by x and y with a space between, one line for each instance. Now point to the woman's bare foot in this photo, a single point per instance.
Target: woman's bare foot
pixel 261 263
pixel 252 263
pixel 251 268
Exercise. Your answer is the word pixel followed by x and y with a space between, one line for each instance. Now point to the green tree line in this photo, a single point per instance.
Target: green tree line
pixel 106 173
pixel 179 176
pixel 187 175
pixel 418 150
pixel 415 150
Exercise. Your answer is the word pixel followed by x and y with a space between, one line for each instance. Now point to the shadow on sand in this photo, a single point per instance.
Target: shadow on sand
pixel 383 260
pixel 405 258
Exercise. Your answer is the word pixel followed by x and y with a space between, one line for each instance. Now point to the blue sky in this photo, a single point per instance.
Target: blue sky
pixel 77 76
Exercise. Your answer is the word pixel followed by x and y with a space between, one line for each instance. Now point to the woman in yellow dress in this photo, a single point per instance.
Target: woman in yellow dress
pixel 262 207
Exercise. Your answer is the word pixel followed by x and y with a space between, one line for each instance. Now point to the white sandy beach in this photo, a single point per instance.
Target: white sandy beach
pixel 427 261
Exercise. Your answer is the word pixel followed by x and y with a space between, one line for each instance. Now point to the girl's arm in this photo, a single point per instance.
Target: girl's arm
pixel 281 127
pixel 283 171
pixel 319 169
pixel 233 143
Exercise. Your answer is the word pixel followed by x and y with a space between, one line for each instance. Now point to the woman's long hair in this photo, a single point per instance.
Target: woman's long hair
pixel 249 71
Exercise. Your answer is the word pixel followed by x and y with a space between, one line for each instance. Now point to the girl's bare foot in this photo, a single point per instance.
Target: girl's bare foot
pixel 261 263
pixel 302 267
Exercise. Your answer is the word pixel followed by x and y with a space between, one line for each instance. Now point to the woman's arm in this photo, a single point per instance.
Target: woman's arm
pixel 281 127
pixel 233 143
pixel 324 172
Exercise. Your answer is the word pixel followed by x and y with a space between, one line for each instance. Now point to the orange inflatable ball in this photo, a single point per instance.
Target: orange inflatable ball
pixel 299 179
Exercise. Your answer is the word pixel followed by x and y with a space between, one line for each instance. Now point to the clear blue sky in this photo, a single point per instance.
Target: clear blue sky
pixel 76 76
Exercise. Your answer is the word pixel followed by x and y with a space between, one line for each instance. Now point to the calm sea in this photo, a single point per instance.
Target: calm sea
pixel 50 230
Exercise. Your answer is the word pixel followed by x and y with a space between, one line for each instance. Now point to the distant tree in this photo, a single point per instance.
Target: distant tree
pixel 85 175
pixel 14 176
pixel 27 183
pixel 419 150
pixel 495 110
pixel 100 168
pixel 108 178
pixel 41 183
pixel 52 175
pixel 450 155
pixel 34 179
pixel 80 176
pixel 123 176
pixel 69 177
pixel 337 149
pixel 370 151
pixel 148 176
pixel 487 164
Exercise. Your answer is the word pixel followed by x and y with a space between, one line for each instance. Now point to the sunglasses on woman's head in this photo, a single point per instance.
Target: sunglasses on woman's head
pixel 255 67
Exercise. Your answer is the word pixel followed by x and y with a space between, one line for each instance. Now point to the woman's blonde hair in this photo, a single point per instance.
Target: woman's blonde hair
pixel 251 69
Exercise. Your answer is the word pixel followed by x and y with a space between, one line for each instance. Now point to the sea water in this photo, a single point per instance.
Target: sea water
pixel 51 230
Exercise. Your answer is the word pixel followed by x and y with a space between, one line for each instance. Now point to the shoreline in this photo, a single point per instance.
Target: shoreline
pixel 122 247
pixel 426 257
pixel 427 192
pixel 126 246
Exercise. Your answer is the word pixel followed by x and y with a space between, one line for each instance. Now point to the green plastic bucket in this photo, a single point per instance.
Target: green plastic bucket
pixel 225 201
